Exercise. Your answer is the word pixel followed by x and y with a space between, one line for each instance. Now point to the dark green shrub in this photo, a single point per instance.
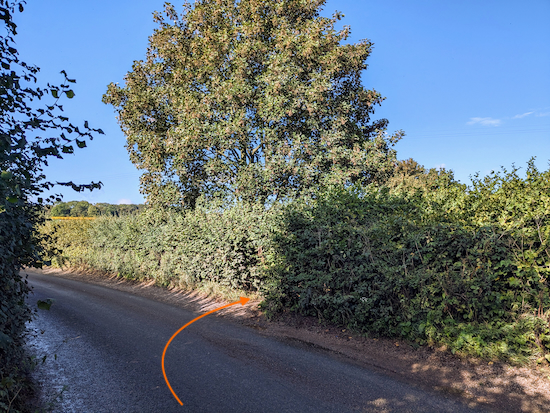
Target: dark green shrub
pixel 465 267
pixel 400 265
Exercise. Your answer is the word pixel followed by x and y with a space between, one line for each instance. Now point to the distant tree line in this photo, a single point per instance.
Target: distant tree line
pixel 85 209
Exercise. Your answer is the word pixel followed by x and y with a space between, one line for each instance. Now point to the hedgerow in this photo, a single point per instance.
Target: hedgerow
pixel 466 267
pixel 185 250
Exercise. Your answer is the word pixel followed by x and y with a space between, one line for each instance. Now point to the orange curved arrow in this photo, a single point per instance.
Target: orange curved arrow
pixel 243 301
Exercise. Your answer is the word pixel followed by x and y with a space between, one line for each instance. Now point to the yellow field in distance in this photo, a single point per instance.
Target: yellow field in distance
pixel 72 217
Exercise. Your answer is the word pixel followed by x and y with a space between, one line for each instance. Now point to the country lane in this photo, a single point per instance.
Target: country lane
pixel 109 343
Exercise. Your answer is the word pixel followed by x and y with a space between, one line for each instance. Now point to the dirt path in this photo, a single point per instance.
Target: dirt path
pixel 497 386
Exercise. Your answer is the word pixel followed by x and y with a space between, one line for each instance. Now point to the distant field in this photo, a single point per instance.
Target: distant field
pixel 72 217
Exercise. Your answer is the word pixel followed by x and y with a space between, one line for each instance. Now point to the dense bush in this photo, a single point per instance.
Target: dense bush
pixel 467 267
pixel 15 248
pixel 185 250
pixel 439 264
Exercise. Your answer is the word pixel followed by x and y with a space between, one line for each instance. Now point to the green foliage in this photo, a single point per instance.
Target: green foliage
pixel 30 134
pixel 62 239
pixel 200 249
pixel 255 97
pixel 461 266
pixel 80 209
pixel 60 209
pixel 85 209
pixel 192 250
pixel 92 211
pixel 409 176
pixel 436 266
pixel 45 305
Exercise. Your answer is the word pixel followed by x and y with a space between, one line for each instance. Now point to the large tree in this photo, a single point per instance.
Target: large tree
pixel 256 97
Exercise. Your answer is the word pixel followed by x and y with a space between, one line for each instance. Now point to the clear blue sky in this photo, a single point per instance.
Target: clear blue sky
pixel 468 81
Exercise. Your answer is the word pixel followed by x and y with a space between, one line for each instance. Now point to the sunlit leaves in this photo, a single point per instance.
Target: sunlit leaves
pixel 258 98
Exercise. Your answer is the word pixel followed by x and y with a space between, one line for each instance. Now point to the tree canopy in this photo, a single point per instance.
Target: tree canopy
pixel 254 98
pixel 410 175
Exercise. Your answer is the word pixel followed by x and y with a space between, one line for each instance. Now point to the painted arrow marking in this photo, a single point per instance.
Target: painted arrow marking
pixel 242 301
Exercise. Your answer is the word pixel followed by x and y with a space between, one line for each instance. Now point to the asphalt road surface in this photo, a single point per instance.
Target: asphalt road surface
pixel 109 346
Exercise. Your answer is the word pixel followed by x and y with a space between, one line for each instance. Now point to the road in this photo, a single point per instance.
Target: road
pixel 109 344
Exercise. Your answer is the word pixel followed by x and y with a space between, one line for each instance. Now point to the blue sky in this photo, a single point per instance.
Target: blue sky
pixel 467 81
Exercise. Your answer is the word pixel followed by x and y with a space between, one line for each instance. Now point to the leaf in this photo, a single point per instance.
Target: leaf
pixel 69 93
pixel 21 8
pixel 68 149
pixel 5 340
pixel 54 93
pixel 86 124
pixel 81 144
pixel 45 305
pixel 12 199
pixel 513 281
